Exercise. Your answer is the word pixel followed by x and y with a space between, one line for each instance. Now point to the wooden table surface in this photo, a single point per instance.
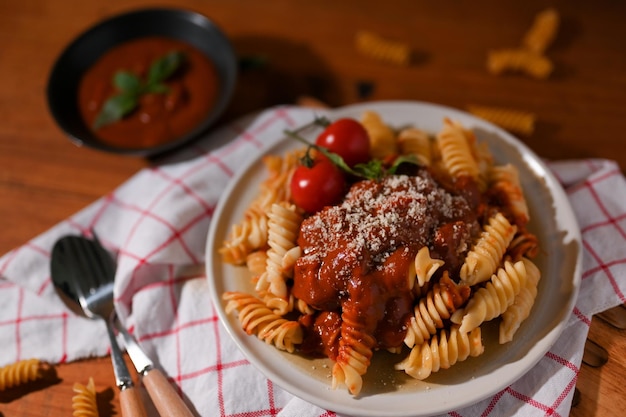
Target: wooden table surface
pixel 310 51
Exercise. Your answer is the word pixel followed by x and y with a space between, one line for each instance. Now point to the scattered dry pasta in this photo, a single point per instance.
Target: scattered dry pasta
pixel 21 372
pixel 84 401
pixel 542 32
pixel 530 57
pixel 516 121
pixel 410 263
pixel 374 46
pixel 519 60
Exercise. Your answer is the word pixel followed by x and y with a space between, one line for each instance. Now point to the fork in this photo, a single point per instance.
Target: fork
pixel 80 271
pixel 92 256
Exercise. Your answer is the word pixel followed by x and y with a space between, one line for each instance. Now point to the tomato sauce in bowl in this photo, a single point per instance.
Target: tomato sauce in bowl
pixel 159 117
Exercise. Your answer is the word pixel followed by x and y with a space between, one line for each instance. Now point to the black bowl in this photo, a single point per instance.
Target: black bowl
pixel 84 51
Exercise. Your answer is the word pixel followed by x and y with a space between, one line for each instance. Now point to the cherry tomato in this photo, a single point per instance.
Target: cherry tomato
pixel 348 139
pixel 318 186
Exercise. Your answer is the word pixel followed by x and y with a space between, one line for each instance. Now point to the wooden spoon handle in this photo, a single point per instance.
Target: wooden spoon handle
pixel 165 398
pixel 130 403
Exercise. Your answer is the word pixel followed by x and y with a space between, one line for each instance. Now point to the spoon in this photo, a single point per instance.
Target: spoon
pixel 80 270
pixel 89 254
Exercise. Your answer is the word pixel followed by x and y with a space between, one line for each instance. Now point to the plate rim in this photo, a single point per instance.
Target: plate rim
pixel 556 191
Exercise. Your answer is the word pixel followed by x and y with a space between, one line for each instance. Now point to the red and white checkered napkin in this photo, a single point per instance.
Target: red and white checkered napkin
pixel 158 223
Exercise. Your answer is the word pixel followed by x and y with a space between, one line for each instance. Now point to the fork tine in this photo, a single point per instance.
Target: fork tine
pixel 77 279
pixel 86 278
pixel 103 260
pixel 96 276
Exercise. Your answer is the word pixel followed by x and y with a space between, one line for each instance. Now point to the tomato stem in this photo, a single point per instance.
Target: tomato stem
pixel 372 170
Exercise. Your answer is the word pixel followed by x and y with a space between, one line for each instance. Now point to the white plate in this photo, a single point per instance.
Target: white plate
pixel 387 392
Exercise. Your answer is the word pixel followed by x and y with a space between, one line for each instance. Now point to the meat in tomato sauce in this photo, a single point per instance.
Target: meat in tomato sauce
pixel 356 255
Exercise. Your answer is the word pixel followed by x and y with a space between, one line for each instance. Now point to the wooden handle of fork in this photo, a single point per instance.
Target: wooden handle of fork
pixel 164 396
pixel 130 403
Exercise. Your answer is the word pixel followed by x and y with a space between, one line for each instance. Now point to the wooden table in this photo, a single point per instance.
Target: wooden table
pixel 310 51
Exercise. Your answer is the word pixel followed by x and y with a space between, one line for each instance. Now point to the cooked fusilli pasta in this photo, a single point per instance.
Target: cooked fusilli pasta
pixel 504 182
pixel 382 138
pixel 246 237
pixel 456 152
pixel 412 141
pixel 355 352
pixel 314 294
pixel 252 232
pixel 517 312
pixel 523 244
pixel 431 311
pixel 256 261
pixel 485 256
pixel 256 318
pixel 283 228
pixel 425 266
pixel 494 298
pixel 441 352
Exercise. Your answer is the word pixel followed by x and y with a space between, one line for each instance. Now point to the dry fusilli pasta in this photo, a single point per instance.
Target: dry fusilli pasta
pixel 542 32
pixel 374 46
pixel 84 401
pixel 21 372
pixel 519 60
pixel 513 120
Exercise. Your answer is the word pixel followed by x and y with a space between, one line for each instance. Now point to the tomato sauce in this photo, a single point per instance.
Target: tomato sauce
pixel 356 256
pixel 159 118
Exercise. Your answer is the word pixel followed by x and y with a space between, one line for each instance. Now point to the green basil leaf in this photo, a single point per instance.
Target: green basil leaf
pixel 159 88
pixel 372 170
pixel 336 159
pixel 127 82
pixel 115 108
pixel 164 67
pixel 411 159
